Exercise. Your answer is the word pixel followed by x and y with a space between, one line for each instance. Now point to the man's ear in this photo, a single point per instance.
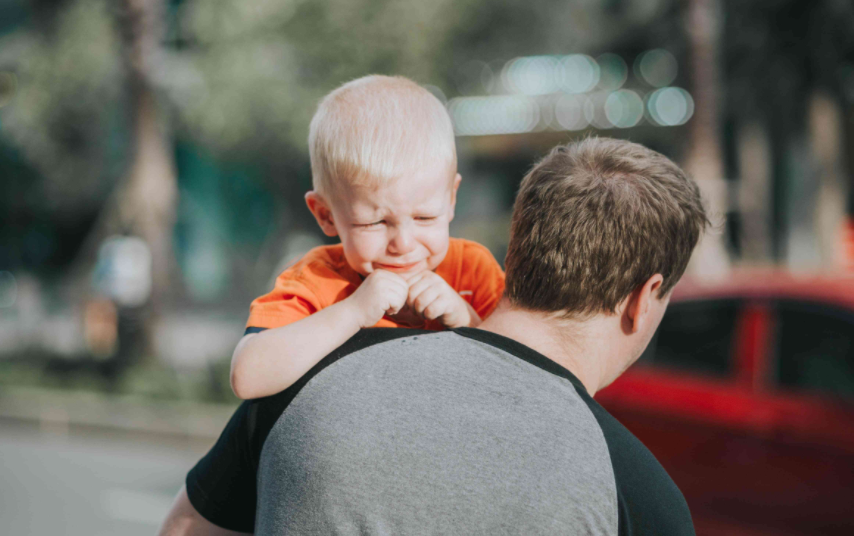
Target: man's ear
pixel 636 307
pixel 322 212
pixel 454 189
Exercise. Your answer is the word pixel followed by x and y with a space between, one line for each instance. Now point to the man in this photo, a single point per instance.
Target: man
pixel 490 430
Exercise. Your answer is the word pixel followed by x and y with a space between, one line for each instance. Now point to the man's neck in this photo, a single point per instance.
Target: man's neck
pixel 578 346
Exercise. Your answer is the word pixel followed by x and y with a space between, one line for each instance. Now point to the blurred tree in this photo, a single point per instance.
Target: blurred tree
pixel 80 70
pixel 148 199
pixel 779 57
pixel 64 117
pixel 705 155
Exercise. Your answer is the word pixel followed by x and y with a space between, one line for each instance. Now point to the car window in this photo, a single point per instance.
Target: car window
pixel 695 336
pixel 815 348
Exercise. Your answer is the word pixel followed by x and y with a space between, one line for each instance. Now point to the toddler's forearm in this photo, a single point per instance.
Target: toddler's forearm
pixel 271 361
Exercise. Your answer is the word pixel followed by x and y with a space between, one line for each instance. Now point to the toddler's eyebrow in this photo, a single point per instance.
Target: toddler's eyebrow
pixel 368 213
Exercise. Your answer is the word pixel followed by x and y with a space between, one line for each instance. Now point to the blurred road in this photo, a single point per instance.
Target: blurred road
pixel 95 484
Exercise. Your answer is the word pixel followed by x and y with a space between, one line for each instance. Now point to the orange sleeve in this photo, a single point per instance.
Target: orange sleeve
pixel 482 274
pixel 289 301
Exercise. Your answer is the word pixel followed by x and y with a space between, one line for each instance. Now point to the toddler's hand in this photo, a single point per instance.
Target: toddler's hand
pixel 382 292
pixel 433 298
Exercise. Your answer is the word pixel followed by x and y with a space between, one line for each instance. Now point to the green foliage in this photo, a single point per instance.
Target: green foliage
pixel 66 110
pixel 252 71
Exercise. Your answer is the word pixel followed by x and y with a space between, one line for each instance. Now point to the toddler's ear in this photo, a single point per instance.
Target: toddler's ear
pixel 322 212
pixel 454 188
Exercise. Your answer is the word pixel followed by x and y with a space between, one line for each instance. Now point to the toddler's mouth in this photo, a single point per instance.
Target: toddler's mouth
pixel 400 268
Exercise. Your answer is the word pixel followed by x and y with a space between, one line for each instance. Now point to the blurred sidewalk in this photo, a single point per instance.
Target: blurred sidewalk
pixel 65 412
pixel 184 339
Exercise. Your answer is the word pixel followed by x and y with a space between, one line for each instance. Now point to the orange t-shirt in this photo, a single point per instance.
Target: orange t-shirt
pixel 323 277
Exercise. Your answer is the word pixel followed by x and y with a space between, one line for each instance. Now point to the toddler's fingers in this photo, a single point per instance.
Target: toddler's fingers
pixel 435 309
pixel 422 300
pixel 402 285
pixel 397 298
pixel 416 290
pixel 393 283
pixel 395 306
pixel 423 284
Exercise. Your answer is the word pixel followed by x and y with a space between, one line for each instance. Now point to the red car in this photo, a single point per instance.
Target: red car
pixel 746 396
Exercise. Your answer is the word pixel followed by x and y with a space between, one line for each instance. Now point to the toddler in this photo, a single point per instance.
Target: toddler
pixel 384 173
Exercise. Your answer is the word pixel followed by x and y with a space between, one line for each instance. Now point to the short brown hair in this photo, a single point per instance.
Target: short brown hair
pixel 595 219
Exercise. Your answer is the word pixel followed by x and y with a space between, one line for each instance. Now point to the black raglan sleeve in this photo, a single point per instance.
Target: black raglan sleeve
pixel 649 501
pixel 221 487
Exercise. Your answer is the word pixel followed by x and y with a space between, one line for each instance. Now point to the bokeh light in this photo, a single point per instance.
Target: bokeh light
pixel 487 78
pixel 624 108
pixel 670 106
pixel 569 112
pixel 577 73
pixel 656 67
pixel 532 75
pixel 437 92
pixel 547 105
pixel 504 114
pixel 613 71
pixel 594 110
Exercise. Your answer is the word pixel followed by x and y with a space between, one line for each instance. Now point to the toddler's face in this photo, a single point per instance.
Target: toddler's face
pixel 401 227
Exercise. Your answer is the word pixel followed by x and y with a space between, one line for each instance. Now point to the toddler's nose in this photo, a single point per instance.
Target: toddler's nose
pixel 401 241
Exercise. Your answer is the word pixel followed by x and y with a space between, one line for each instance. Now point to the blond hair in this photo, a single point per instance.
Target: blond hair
pixel 375 129
pixel 595 219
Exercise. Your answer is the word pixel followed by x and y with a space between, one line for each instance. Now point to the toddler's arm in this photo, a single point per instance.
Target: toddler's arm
pixel 271 361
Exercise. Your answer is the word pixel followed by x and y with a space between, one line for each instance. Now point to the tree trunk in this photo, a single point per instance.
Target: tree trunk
pixel 148 199
pixel 832 197
pixel 705 157
pixel 754 193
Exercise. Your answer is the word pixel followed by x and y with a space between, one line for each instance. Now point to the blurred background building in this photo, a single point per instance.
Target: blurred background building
pixel 153 155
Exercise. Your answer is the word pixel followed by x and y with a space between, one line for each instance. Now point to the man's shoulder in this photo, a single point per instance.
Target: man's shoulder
pixel 425 345
pixel 362 340
pixel 267 410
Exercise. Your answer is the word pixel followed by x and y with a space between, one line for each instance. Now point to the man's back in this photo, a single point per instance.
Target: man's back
pixel 462 432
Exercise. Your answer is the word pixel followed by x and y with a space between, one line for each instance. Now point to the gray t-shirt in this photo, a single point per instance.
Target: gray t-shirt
pixel 458 432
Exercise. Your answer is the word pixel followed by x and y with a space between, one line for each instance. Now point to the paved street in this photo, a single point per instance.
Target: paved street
pixel 94 484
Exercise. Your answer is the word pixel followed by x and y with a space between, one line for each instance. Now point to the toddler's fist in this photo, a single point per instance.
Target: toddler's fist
pixel 382 292
pixel 433 298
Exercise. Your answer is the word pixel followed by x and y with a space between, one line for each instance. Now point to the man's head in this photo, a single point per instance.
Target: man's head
pixel 384 169
pixel 597 224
